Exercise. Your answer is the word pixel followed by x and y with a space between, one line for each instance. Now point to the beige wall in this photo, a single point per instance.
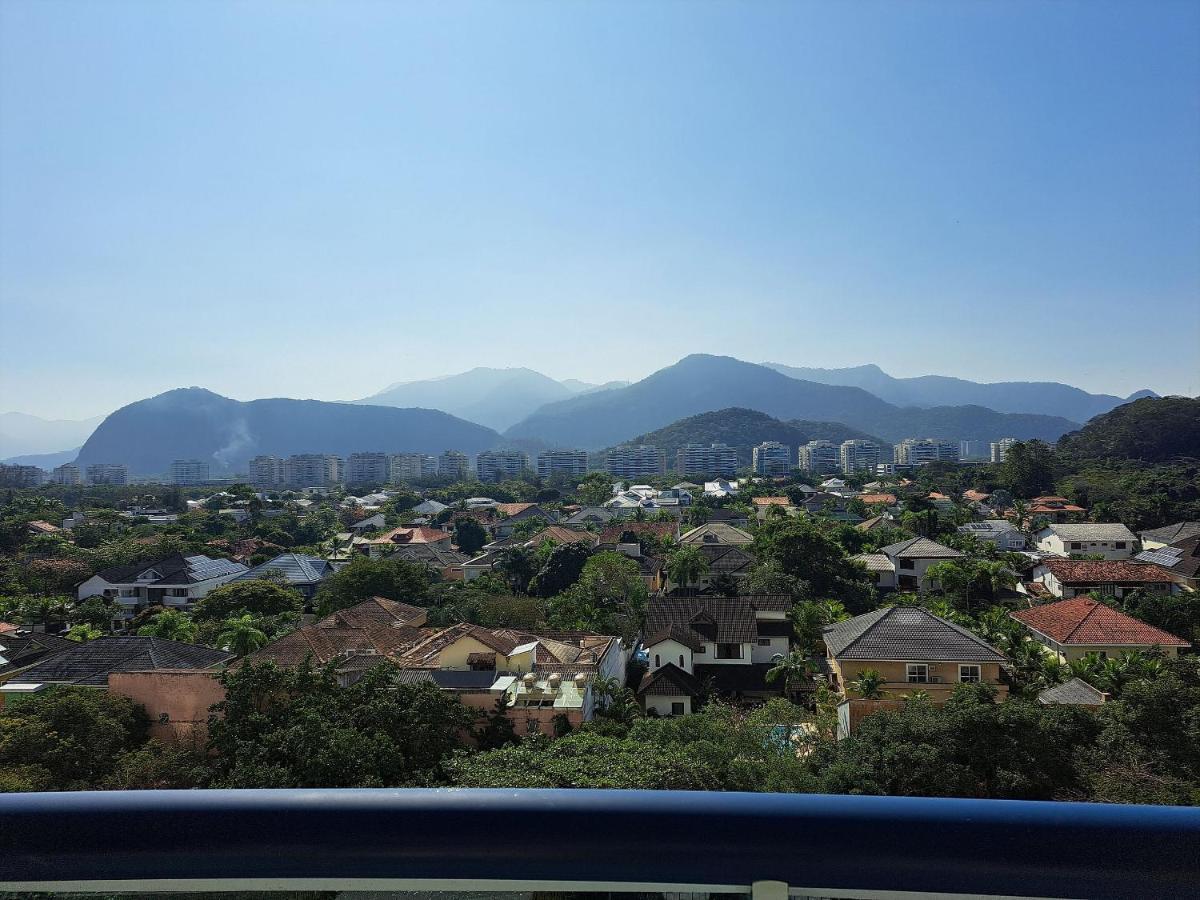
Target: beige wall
pixel 183 696
pixel 661 704
pixel 895 674
pixel 455 656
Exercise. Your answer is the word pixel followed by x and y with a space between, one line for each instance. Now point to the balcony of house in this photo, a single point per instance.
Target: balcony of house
pixel 566 842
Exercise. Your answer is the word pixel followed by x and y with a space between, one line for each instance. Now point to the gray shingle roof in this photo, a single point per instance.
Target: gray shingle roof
pixel 90 663
pixel 174 569
pixel 1076 692
pixel 1093 531
pixel 906 633
pixel 733 618
pixel 1170 534
pixel 920 548
pixel 296 568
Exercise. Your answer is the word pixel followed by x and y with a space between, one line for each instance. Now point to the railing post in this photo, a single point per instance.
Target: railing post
pixel 769 890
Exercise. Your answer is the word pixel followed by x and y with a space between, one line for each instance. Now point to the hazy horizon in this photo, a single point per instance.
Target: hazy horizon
pixel 269 200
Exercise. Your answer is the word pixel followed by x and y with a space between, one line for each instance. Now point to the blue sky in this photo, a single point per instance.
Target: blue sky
pixel 319 199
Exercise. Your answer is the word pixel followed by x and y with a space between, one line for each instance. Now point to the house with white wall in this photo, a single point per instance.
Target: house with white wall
pixel 1110 540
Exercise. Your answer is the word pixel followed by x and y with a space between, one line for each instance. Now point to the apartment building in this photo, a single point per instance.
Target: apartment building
pixel 771 458
pixel 189 472
pixel 999 449
pixel 1110 540
pixel 562 462
pixel 922 451
pixel 107 473
pixel 819 457
pixel 21 476
pixel 500 465
pixel 453 464
pixel 313 470
pixel 266 471
pixel 67 473
pixel 715 459
pixel 858 456
pixel 636 462
pixel 413 467
pixel 371 469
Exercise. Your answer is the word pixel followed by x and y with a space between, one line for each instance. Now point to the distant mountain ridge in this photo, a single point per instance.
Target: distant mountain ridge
pixel 1152 429
pixel 743 429
pixel 496 398
pixel 1043 397
pixel 702 383
pixel 24 435
pixel 193 423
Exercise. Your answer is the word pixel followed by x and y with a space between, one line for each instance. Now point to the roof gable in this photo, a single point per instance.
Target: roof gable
pixel 1082 620
pixel 906 633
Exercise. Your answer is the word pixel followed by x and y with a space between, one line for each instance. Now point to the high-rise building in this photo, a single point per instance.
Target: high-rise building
pixel 715 459
pixel 772 458
pixel 267 471
pixel 858 456
pixel 368 469
pixel 312 470
pixel 453 464
pixel 972 449
pixel 107 473
pixel 186 472
pixel 499 465
pixel 922 451
pixel 21 476
pixel 67 473
pixel 819 458
pixel 636 462
pixel 562 462
pixel 999 449
pixel 413 466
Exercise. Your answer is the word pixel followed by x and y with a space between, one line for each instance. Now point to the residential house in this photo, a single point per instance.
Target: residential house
pixel 369 524
pixel 590 516
pixel 1075 692
pixel 20 649
pixel 298 571
pixel 903 566
pixel 1078 626
pixel 1154 538
pixel 1180 560
pixel 1068 578
pixel 1109 540
pixel 1053 509
pixel 429 508
pixel 177 581
pixel 559 534
pixel 913 650
pixel 513 514
pixel 721 488
pixel 449 564
pixel 999 532
pixel 764 505
pixel 388 542
pixel 669 691
pixel 716 533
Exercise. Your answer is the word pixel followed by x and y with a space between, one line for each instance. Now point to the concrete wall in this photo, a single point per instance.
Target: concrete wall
pixel 763 654
pixel 670 652
pixel 177 701
pixel 897 684
pixel 661 704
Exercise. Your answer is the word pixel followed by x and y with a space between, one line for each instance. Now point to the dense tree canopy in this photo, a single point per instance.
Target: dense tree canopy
pixel 365 578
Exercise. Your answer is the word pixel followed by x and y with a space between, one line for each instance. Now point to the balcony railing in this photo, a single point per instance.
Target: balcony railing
pixel 767 845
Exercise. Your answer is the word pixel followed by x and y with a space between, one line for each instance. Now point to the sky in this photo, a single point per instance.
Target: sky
pixel 319 199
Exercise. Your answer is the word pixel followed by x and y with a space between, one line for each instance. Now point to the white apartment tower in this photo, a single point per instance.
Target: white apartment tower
pixel 266 471
pixel 859 456
pixel 819 458
pixel 313 470
pixel 715 459
pixel 636 462
pixel 67 473
pixel 189 472
pixel 1000 449
pixel 453 464
pixel 772 458
pixel 922 451
pixel 500 465
pixel 107 473
pixel 368 469
pixel 413 466
pixel 562 462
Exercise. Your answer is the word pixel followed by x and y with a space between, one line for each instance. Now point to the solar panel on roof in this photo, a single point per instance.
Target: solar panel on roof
pixel 1163 557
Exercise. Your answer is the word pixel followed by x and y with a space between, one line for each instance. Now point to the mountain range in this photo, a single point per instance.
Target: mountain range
pixel 192 423
pixel 22 434
pixel 496 398
pixel 1046 397
pixel 743 429
pixel 701 383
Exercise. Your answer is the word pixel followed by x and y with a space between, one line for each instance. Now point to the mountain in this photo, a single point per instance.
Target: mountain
pixel 493 397
pixel 744 428
pixel 47 461
pixel 701 383
pixel 1153 429
pixel 575 386
pixel 192 423
pixel 22 434
pixel 1046 397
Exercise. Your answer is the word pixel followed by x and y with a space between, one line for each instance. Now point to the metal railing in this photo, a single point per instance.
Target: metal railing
pixel 768 845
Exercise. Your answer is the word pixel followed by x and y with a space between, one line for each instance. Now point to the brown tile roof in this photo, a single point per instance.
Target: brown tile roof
pixel 612 534
pixel 373 612
pixel 670 681
pixel 559 534
pixel 678 633
pixel 976 496
pixel 418 535
pixel 515 509
pixel 1109 571
pixel 889 499
pixel 1082 620
pixel 772 501
pixel 714 619
pixel 42 527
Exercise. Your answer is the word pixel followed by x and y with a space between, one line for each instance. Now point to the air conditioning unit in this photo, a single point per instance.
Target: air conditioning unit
pixel 935 679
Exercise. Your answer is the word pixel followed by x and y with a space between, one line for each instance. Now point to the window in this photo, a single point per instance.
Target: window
pixel 1076 545
pixel 1120 545
pixel 906 564
pixel 764 642
pixel 681 661
pixel 700 649
pixel 969 674
pixel 729 651
pixel 657 661
pixel 677 709
pixel 918 673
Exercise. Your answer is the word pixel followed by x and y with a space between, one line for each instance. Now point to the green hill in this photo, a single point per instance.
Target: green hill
pixel 1153 429
pixel 744 428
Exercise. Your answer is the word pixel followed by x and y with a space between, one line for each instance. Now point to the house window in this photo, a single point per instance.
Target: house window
pixel 677 709
pixel 700 649
pixel 969 674
pixel 681 661
pixel 906 564
pixel 657 662
pixel 918 673
pixel 1120 545
pixel 729 651
pixel 1076 545
pixel 764 642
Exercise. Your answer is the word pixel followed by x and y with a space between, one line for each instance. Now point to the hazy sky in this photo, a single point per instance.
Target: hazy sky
pixel 318 199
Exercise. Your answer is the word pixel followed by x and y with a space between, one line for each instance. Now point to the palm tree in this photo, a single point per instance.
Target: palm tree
pixel 604 690
pixel 796 667
pixel 241 635
pixel 170 624
pixel 83 633
pixel 685 565
pixel 869 684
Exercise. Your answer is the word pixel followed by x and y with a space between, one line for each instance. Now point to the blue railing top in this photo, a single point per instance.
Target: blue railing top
pixel 659 837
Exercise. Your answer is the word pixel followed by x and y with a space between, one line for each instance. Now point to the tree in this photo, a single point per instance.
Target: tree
pixel 594 489
pixel 724 585
pixel 498 730
pixel 794 668
pixel 1028 469
pixel 685 565
pixel 172 625
pixel 469 535
pixel 803 550
pixel 562 569
pixel 366 578
pixel 869 684
pixel 609 598
pixel 516 566
pixel 95 611
pixel 241 635
pixel 258 597
pixel 83 633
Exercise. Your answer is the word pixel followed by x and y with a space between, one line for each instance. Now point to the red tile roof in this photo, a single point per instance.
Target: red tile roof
pixel 412 536
pixel 1109 571
pixel 889 499
pixel 772 501
pixel 1082 620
